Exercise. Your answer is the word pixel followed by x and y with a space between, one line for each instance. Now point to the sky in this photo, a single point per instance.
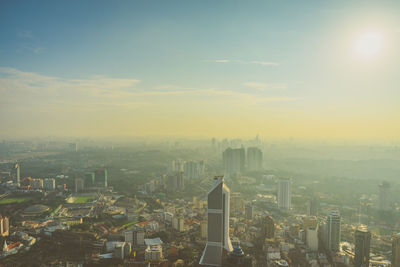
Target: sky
pixel 306 69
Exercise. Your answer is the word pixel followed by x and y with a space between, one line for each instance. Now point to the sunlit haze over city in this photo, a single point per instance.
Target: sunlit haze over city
pixel 199 133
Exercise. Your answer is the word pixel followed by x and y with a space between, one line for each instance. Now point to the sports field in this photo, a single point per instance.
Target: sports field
pixel 12 200
pixel 83 199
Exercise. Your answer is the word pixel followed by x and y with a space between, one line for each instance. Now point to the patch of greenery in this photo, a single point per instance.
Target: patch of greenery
pixel 83 199
pixel 12 200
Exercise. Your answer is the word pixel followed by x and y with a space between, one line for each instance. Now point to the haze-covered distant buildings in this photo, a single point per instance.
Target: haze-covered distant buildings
pixel 234 160
pixel 254 159
pixel 384 196
pixel 284 193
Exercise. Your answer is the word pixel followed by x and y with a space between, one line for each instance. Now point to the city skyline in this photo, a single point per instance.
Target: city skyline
pixel 302 70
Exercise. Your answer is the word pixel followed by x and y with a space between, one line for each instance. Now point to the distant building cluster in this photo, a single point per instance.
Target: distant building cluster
pixel 234 160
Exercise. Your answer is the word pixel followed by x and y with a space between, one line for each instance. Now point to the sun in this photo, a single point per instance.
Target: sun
pixel 369 44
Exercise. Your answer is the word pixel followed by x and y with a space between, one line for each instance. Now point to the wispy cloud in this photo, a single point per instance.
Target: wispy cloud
pixel 25 34
pixel 264 86
pixel 255 62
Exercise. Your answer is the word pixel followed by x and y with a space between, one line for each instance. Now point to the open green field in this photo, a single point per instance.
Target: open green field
pixel 130 224
pixel 83 199
pixel 12 200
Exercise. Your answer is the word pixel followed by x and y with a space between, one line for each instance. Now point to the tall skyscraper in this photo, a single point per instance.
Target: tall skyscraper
pixel 333 230
pixel 234 160
pixel 175 181
pixel 396 250
pixel 284 193
pixel 89 179
pixel 79 185
pixel 312 207
pixel 101 178
pixel 17 174
pixel 218 224
pixel 249 211
pixel 254 159
pixel 384 196
pixel 362 240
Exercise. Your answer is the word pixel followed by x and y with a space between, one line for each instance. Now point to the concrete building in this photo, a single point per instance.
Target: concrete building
pixel 49 184
pixel 79 185
pixel 396 250
pixel 101 178
pixel 36 184
pixel 218 217
pixel 129 236
pixel 194 169
pixel 89 179
pixel 312 207
pixel 249 211
pixel 153 253
pixel 4 226
pixel 333 231
pixel 234 160
pixel 203 229
pixel 254 159
pixel 312 238
pixel 138 238
pixel 384 196
pixel 362 240
pixel 284 193
pixel 268 227
pixel 17 174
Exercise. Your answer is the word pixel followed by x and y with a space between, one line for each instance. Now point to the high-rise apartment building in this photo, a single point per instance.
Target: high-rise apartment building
pixel 101 178
pixel 234 160
pixel 79 185
pixel 218 224
pixel 384 196
pixel 89 179
pixel 249 211
pixel 254 159
pixel 284 193
pixel 49 184
pixel 362 240
pixel 175 182
pixel 333 231
pixel 312 206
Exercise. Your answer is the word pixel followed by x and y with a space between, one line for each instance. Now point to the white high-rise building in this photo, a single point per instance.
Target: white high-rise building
pixel 18 174
pixel 284 193
pixel 218 224
pixel 312 238
pixel 333 230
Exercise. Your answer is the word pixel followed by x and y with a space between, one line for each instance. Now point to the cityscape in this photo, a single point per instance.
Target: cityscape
pixel 194 203
pixel 225 133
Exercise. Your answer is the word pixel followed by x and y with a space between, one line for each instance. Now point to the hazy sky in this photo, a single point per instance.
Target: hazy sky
pixel 326 69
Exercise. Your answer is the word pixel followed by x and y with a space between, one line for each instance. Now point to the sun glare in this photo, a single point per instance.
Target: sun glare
pixel 369 44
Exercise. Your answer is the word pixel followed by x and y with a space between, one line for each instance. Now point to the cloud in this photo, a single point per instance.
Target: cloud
pixel 25 34
pixel 264 63
pixel 254 62
pixel 264 86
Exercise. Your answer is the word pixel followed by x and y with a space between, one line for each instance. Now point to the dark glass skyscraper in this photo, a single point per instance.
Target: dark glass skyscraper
pixel 218 224
pixel 362 246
